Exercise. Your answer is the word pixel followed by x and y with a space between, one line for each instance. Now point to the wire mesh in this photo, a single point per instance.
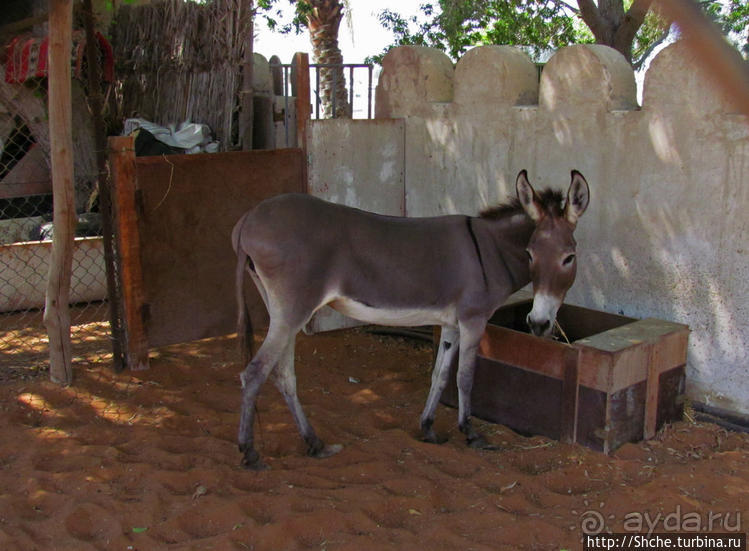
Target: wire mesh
pixel 26 232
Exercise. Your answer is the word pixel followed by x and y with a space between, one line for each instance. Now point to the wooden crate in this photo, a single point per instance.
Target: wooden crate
pixel 619 381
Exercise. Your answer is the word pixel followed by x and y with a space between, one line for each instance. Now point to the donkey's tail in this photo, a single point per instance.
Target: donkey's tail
pixel 244 322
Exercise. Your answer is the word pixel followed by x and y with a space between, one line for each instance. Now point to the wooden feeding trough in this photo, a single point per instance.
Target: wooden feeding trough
pixel 618 381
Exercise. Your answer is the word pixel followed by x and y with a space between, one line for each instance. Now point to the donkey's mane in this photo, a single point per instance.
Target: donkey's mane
pixel 552 201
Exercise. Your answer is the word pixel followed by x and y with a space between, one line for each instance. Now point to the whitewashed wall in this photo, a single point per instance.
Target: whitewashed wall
pixel 666 232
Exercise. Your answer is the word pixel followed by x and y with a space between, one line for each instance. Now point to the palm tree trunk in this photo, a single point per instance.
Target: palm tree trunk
pixel 323 22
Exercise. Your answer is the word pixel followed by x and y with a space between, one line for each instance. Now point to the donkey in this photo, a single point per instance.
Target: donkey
pixel 453 271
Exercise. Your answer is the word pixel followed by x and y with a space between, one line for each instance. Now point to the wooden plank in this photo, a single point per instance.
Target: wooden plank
pixel 625 416
pixel 523 350
pixel 570 388
pixel 591 418
pixel 122 163
pixel 651 394
pixel 625 336
pixel 671 396
pixel 523 400
pixel 596 368
pixel 618 358
pixel 57 310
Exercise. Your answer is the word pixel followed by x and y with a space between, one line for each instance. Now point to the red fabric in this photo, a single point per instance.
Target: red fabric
pixel 27 57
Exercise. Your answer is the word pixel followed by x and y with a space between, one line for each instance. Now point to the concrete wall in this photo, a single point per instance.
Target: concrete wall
pixel 359 163
pixel 666 232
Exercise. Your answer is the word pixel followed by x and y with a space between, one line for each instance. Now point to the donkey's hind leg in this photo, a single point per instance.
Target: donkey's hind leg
pixel 285 380
pixel 253 377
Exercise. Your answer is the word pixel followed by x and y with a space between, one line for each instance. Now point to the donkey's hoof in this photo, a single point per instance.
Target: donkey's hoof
pixel 324 451
pixel 256 466
pixel 252 462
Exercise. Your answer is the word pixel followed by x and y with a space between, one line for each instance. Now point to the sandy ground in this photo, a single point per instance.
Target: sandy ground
pixel 148 460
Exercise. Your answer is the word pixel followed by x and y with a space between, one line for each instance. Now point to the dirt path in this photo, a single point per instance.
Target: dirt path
pixel 148 461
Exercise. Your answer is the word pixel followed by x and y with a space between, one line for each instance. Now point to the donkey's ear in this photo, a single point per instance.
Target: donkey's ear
pixel 527 197
pixel 578 197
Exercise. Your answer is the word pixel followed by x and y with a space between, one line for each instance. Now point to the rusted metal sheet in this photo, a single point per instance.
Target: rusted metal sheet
pixel 187 206
pixel 618 381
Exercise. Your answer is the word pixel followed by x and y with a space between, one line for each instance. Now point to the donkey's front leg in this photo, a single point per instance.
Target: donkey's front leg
pixel 470 335
pixel 446 353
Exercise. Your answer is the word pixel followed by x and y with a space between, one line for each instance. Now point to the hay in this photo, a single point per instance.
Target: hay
pixel 179 61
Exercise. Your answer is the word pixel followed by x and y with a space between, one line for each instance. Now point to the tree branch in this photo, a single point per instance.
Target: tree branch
pixel 633 20
pixel 593 19
pixel 637 65
pixel 567 6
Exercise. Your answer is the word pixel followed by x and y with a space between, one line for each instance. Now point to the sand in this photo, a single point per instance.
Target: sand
pixel 148 460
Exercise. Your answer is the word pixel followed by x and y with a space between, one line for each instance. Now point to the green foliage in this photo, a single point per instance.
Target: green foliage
pixel 732 16
pixel 269 10
pixel 273 16
pixel 455 25
pixel 652 32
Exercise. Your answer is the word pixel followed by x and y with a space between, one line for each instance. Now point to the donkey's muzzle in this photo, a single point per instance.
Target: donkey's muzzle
pixel 539 328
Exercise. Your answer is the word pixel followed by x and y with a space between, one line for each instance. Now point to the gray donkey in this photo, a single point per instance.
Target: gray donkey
pixel 453 271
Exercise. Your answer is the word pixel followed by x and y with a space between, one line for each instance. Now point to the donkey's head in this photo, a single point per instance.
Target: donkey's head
pixel 551 249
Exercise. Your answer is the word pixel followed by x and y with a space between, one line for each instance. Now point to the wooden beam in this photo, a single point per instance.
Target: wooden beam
pixel 650 423
pixel 303 109
pixel 96 104
pixel 16 27
pixel 122 165
pixel 57 309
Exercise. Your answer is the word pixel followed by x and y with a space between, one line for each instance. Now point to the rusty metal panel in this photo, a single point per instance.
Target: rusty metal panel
pixel 187 207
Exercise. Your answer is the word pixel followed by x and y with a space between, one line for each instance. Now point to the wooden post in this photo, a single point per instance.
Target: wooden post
pixel 122 165
pixel 303 109
pixel 570 392
pixel 56 308
pixel 651 394
pixel 96 103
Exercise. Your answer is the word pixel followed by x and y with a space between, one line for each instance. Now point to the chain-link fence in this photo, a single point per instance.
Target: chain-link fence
pixel 26 228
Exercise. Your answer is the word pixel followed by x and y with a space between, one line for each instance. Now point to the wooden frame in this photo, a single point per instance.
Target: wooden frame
pixel 125 209
pixel 619 381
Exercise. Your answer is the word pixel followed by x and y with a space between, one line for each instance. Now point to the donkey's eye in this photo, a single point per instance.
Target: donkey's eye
pixel 568 260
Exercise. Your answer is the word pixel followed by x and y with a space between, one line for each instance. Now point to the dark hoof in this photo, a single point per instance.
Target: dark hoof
pixel 321 452
pixel 479 443
pixel 428 435
pixel 252 462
